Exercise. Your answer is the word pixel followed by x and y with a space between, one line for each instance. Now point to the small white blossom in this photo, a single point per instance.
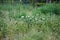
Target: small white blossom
pixel 28 16
pixel 22 16
pixel 43 18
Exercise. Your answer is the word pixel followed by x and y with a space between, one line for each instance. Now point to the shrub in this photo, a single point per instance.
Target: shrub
pixel 50 8
pixel 57 10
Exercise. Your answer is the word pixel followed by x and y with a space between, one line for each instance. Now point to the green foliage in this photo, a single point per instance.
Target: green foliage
pixel 50 8
pixel 3 28
pixel 23 22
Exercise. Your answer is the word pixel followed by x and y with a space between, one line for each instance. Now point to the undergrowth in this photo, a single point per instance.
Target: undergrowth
pixel 21 22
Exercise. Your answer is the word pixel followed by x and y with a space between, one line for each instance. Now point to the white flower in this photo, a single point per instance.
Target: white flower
pixel 43 18
pixel 28 16
pixel 22 16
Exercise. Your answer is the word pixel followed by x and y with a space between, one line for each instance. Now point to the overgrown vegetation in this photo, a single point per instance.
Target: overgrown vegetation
pixel 25 22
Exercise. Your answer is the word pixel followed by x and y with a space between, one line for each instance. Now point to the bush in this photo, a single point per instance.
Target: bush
pixel 57 10
pixel 50 8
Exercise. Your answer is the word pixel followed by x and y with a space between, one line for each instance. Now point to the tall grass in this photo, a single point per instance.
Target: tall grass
pixel 24 22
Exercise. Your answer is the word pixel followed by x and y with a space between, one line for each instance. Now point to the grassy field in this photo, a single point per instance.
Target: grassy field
pixel 25 22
